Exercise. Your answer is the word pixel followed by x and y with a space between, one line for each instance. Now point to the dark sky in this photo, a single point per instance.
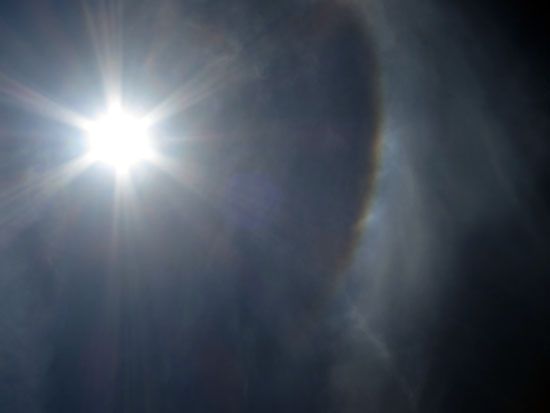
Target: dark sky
pixel 352 214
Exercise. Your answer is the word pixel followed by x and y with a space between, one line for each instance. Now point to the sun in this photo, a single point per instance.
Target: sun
pixel 119 139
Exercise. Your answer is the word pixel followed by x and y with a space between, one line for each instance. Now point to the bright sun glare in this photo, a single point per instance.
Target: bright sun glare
pixel 119 139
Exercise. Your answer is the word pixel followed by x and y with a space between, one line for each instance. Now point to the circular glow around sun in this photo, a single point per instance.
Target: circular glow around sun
pixel 119 139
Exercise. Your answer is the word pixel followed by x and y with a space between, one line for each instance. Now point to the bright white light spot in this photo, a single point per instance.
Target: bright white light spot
pixel 119 139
